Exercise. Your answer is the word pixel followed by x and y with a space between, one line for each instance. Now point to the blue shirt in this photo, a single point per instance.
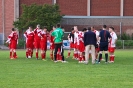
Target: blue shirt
pixel 90 38
pixel 104 35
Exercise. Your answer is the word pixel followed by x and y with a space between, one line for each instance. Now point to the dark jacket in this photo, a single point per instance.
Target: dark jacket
pixel 90 38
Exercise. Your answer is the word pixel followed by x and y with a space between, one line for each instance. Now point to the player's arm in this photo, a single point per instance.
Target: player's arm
pixel 115 37
pixel 69 38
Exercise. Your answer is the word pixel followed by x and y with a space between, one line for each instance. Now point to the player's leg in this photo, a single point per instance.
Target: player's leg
pixel 100 54
pixel 55 52
pixel 51 54
pixel 11 54
pixel 37 53
pixel 69 52
pixel 14 54
pixel 93 54
pixel 42 54
pixel 112 56
pixel 87 48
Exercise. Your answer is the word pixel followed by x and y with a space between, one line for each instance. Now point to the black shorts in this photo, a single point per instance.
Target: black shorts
pixel 103 46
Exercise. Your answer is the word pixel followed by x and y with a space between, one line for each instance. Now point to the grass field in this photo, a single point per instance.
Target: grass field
pixel 32 73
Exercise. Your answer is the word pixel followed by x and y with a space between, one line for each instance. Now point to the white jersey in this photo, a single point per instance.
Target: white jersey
pixel 78 36
pixel 96 32
pixel 113 39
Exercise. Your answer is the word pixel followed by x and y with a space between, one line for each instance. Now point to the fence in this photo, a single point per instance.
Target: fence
pixel 124 44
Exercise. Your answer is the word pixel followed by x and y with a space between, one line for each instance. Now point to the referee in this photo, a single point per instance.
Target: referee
pixel 104 38
pixel 58 40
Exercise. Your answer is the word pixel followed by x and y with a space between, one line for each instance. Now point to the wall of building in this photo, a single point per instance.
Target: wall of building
pixel 9 16
pixel 1 16
pixel 105 7
pixel 128 7
pixel 72 7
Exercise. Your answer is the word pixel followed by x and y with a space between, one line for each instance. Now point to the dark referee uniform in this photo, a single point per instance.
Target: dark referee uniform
pixel 104 36
pixel 71 37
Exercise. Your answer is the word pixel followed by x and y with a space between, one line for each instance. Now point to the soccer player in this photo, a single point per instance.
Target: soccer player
pixel 71 40
pixel 37 39
pixel 52 43
pixel 29 34
pixel 104 38
pixel 13 41
pixel 112 44
pixel 97 45
pixel 43 42
pixel 58 40
pixel 76 43
pixel 79 44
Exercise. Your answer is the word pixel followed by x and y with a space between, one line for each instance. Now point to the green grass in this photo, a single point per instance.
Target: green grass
pixel 32 73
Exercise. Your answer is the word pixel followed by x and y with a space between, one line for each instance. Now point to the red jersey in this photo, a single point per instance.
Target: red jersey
pixel 30 36
pixel 36 32
pixel 43 36
pixel 51 37
pixel 13 36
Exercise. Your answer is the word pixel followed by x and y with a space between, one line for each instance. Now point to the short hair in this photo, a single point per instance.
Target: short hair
pixel 45 27
pixel 84 29
pixel 104 26
pixel 58 25
pixel 112 28
pixel 38 25
pixel 89 28
pixel 13 29
pixel 72 28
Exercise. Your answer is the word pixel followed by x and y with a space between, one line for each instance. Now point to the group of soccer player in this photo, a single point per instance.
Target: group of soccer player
pixel 38 39
pixel 76 39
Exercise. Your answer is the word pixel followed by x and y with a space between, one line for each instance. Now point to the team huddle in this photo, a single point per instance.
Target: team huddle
pixel 86 44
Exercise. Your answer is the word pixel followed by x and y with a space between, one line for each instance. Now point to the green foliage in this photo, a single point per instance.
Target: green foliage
pixel 21 44
pixel 119 44
pixel 45 15
pixel 125 36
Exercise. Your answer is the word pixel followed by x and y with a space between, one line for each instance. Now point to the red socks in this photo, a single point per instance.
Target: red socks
pixel 10 54
pixel 69 53
pixel 112 57
pixel 51 56
pixel 37 55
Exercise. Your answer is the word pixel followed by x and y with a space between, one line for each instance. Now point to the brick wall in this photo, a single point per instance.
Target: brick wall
pixel 1 16
pixel 105 7
pixel 29 2
pixel 128 7
pixel 73 7
pixel 9 16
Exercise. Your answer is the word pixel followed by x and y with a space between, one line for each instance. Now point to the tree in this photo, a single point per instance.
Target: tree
pixel 45 15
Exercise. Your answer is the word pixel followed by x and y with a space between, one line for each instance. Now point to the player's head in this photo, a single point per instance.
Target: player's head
pixel 92 28
pixel 45 28
pixel 84 30
pixel 89 28
pixel 38 26
pixel 75 28
pixel 58 25
pixel 111 29
pixel 104 26
pixel 13 29
pixel 54 27
pixel 30 28
pixel 72 30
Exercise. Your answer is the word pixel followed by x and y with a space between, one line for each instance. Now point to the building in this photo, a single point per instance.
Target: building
pixel 83 13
